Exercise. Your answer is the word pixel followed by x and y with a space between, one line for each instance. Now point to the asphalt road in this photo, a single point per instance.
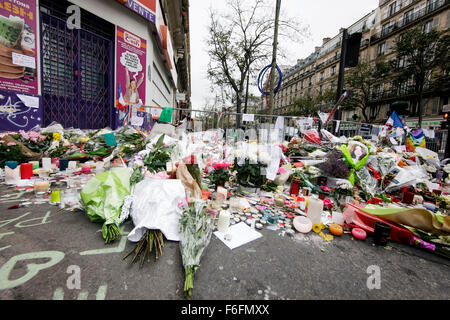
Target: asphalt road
pixel 43 250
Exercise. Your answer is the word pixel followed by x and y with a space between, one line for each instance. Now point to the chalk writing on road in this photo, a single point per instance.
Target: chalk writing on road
pixel 4 235
pixel 32 268
pixel 83 295
pixel 24 224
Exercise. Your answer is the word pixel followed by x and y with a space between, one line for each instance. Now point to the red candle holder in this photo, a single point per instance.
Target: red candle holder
pixel 26 171
pixel 295 187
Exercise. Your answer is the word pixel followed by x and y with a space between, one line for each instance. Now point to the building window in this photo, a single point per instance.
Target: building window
pixel 320 89
pixel 409 16
pixel 393 8
pixel 322 75
pixel 333 70
pixel 428 26
pixel 381 50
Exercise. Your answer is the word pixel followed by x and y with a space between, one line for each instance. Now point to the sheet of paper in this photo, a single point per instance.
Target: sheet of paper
pixel 240 233
pixel 23 60
pixel 29 101
pixel 248 117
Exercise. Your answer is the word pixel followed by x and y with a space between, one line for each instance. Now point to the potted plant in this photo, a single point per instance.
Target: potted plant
pixel 221 174
pixel 250 176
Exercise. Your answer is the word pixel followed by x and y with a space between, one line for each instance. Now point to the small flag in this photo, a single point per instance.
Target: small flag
pixel 394 121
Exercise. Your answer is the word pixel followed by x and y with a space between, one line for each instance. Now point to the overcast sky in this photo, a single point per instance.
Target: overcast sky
pixel 324 18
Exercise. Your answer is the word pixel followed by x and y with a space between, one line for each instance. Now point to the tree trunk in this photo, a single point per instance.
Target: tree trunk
pixel 420 107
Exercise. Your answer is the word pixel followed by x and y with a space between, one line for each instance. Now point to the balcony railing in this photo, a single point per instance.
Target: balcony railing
pixel 432 6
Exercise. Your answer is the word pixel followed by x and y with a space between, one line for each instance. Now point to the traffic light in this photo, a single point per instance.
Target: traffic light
pixel 446 116
pixel 353 47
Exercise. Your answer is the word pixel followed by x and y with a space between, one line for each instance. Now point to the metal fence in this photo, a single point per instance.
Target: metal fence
pixel 229 122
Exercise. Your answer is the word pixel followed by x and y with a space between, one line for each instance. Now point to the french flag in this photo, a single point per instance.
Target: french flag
pixel 121 104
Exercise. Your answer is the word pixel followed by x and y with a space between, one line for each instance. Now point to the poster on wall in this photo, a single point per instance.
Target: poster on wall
pixel 19 111
pixel 130 77
pixel 18 59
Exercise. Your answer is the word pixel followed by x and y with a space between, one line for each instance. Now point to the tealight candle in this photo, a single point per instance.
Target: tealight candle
pixel 41 186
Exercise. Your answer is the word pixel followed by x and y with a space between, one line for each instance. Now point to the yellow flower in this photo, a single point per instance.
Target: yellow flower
pixel 56 136
pixel 85 139
pixel 317 228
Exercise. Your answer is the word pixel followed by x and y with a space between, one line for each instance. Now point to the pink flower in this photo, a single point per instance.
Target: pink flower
pixel 328 204
pixel 281 171
pixel 11 144
pixel 223 165
pixel 325 188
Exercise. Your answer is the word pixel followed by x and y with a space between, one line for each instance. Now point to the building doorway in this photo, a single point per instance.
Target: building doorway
pixel 77 68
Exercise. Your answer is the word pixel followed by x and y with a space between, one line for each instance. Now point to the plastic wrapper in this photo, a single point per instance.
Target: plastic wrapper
pixel 367 182
pixel 104 195
pixel 385 162
pixel 312 136
pixel 398 177
pixel 283 177
pixel 196 228
pixel 188 181
pixel 155 207
pixel 430 157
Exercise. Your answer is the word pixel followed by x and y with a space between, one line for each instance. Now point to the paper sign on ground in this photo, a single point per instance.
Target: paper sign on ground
pixel 240 234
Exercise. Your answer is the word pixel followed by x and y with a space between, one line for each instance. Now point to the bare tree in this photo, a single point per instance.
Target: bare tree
pixel 240 43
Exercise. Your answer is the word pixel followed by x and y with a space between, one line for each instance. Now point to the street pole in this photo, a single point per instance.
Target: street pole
pixel 340 85
pixel 274 58
pixel 246 93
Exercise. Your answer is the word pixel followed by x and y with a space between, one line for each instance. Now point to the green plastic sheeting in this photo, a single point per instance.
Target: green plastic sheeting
pixel 417 218
pixel 104 194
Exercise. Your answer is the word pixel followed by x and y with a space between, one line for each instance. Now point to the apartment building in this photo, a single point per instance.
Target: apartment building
pixel 380 29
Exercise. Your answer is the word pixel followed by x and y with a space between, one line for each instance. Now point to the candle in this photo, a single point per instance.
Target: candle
pixel 11 164
pixel 12 176
pixel 224 221
pixel 338 218
pixel 26 171
pixel 86 169
pixel 47 163
pixel 72 165
pixel 315 209
pixel 63 164
pixel 295 187
pixel 35 164
pixel 41 186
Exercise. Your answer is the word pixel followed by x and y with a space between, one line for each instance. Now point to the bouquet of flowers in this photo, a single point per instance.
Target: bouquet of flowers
pixel 10 151
pixel 103 198
pixel 196 228
pixel 35 141
pixel 221 174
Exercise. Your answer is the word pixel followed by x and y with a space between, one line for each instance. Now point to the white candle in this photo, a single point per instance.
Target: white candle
pixel 224 221
pixel 72 165
pixel 338 218
pixel 315 209
pixel 12 176
pixel 47 163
